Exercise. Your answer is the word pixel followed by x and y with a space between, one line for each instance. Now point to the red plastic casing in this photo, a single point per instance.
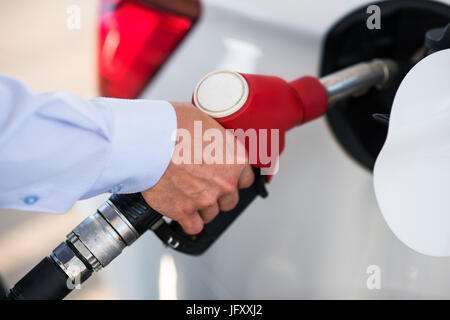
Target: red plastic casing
pixel 274 103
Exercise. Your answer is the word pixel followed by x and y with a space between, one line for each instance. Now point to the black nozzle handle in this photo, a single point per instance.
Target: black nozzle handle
pixel 142 217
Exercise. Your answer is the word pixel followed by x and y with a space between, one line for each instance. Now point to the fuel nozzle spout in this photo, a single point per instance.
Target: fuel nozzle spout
pixel 358 79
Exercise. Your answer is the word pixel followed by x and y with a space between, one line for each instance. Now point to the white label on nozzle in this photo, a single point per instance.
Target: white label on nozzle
pixel 221 93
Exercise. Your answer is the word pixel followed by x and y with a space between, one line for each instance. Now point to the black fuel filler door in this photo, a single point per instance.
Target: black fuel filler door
pixel 401 37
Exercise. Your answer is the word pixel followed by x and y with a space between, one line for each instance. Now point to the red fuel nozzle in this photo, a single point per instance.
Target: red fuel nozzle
pixel 262 104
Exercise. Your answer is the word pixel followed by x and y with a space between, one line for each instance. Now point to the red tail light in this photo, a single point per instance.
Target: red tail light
pixel 136 38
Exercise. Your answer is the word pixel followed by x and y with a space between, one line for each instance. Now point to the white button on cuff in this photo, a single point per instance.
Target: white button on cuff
pixel 115 189
pixel 30 199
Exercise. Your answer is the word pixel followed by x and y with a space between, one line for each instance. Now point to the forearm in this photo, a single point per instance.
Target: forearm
pixel 57 148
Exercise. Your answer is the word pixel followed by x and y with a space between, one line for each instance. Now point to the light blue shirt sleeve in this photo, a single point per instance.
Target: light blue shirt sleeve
pixel 57 148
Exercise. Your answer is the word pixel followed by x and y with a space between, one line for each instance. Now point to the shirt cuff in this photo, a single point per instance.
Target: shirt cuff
pixel 143 139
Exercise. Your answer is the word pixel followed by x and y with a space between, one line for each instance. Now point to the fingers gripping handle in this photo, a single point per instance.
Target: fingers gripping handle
pixel 142 217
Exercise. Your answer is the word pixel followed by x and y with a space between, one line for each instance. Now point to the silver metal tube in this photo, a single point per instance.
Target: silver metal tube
pixel 357 79
pixel 98 239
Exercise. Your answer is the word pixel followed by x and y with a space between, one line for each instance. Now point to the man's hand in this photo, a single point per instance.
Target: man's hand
pixel 193 193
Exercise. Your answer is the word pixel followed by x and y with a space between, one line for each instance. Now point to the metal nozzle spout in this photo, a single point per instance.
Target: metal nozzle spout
pixel 357 79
